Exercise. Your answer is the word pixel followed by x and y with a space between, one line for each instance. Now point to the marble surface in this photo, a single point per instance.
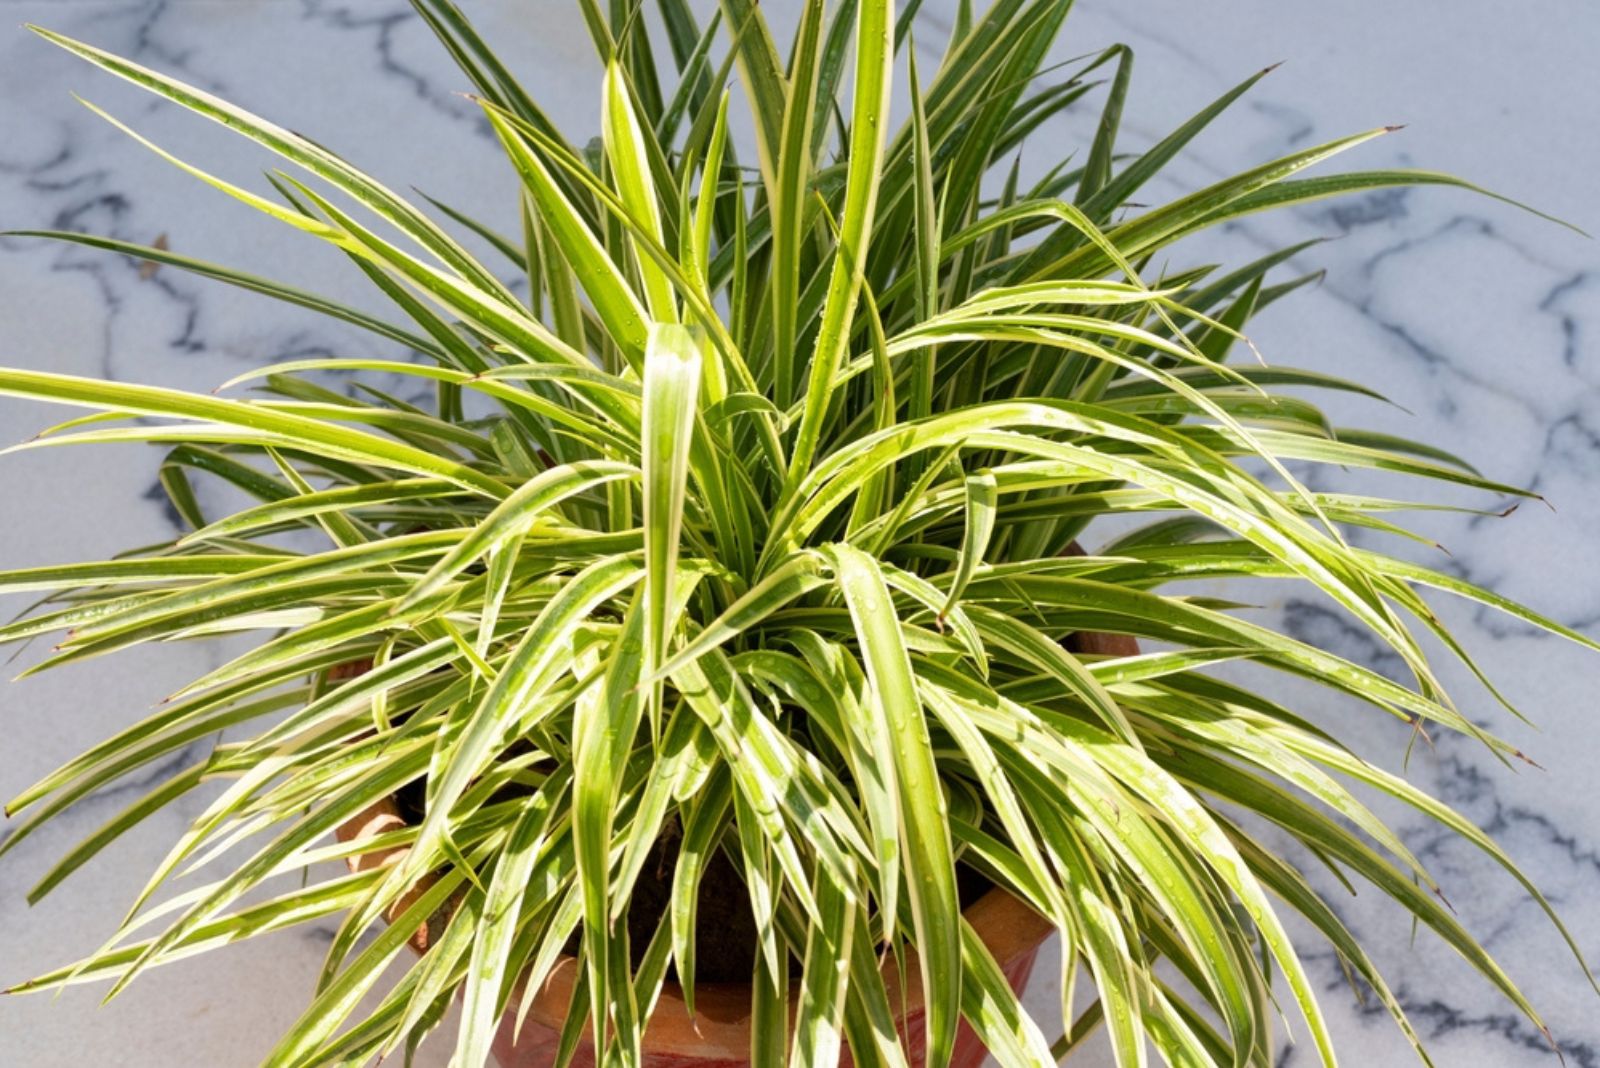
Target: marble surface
pixel 1480 320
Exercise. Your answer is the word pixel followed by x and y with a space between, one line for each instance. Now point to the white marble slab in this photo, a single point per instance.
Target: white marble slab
pixel 1478 319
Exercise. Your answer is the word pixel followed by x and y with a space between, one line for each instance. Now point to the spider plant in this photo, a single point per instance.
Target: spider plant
pixel 746 499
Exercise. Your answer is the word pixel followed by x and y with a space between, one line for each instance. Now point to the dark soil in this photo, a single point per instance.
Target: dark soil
pixel 725 926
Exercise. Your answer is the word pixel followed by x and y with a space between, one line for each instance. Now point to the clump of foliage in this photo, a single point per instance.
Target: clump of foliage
pixel 746 503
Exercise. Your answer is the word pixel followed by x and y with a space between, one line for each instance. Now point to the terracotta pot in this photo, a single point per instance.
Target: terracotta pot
pixel 718 1035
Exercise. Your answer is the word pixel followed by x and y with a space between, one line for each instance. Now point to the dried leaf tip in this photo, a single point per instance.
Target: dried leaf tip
pixel 1550 1037
pixel 1438 892
pixel 148 267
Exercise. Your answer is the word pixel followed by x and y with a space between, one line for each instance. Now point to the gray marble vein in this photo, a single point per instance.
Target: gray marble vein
pixel 1479 320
